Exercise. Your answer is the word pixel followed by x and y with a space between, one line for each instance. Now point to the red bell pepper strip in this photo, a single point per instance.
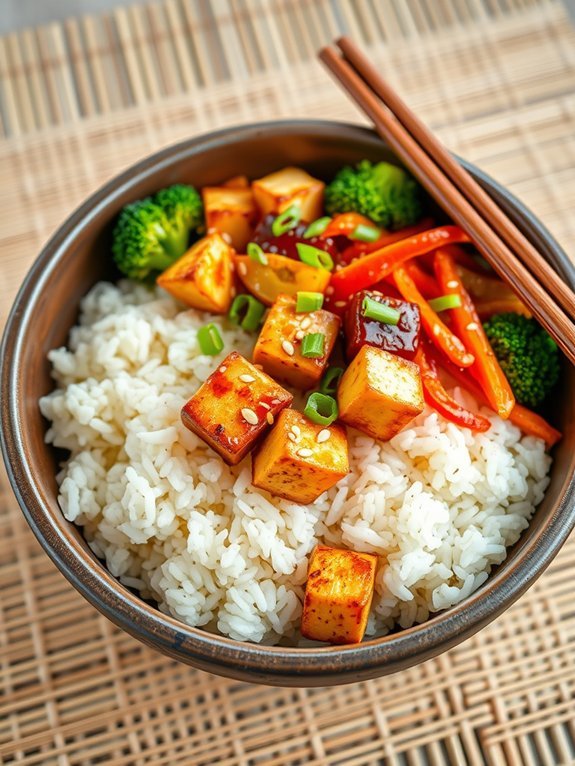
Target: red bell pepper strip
pixel 359 249
pixel 486 369
pixel 424 282
pixel 344 224
pixel 438 398
pixel 528 421
pixel 437 331
pixel 374 267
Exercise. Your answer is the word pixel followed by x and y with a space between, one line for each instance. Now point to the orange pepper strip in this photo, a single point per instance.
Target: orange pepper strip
pixel 486 368
pixel 437 397
pixel 344 224
pixel 359 249
pixel 528 421
pixel 374 267
pixel 487 308
pixel 424 282
pixel 437 331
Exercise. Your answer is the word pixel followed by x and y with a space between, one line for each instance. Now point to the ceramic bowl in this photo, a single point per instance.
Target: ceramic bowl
pixel 46 308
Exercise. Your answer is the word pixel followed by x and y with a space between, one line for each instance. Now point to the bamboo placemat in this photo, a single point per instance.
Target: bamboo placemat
pixel 81 101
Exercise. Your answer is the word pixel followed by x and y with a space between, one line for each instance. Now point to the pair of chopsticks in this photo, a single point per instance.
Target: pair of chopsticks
pixel 496 237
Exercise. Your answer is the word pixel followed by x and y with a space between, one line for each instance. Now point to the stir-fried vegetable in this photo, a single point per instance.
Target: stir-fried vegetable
pixel 486 369
pixel 280 276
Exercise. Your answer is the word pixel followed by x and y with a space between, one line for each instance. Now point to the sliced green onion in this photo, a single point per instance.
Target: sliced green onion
pixel 380 311
pixel 256 253
pixel 450 301
pixel 315 257
pixel 306 302
pixel 317 227
pixel 287 220
pixel 321 409
pixel 313 345
pixel 210 340
pixel 330 380
pixel 247 312
pixel 365 233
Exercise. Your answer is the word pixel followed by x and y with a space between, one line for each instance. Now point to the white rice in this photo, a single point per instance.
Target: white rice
pixel 172 520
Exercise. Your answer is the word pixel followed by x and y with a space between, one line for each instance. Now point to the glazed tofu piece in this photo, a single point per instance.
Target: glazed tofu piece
pixel 276 192
pixel 234 408
pixel 230 211
pixel 401 339
pixel 298 460
pixel 379 393
pixel 338 595
pixel 279 346
pixel 203 277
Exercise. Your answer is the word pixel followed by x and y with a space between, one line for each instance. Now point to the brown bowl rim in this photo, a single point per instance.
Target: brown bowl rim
pixel 284 666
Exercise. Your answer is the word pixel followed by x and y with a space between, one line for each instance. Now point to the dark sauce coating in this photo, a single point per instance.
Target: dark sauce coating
pixel 286 243
pixel 401 339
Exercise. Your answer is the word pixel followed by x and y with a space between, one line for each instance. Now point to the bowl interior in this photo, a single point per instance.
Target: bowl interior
pixel 79 255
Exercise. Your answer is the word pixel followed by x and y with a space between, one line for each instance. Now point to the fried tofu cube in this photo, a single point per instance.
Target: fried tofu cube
pixel 296 463
pixel 338 595
pixel 234 408
pixel 379 393
pixel 230 211
pixel 279 346
pixel 276 192
pixel 203 277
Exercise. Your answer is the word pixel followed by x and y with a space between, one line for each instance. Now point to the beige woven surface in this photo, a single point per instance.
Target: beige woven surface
pixel 80 102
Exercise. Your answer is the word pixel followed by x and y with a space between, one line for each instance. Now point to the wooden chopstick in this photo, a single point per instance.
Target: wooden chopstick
pixel 466 184
pixel 448 196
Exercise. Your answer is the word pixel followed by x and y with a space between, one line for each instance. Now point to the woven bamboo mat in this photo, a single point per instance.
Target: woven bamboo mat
pixel 81 101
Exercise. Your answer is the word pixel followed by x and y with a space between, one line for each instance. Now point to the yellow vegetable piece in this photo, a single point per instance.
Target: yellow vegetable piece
pixel 281 275
pixel 379 393
pixel 277 191
pixel 230 211
pixel 234 407
pixel 202 277
pixel 299 460
pixel 282 334
pixel 338 595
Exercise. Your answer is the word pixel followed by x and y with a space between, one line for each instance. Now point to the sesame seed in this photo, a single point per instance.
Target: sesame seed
pixel 299 334
pixel 323 436
pixel 305 452
pixel 296 430
pixel 340 304
pixel 242 269
pixel 329 290
pixel 288 347
pixel 258 366
pixel 276 401
pixel 249 416
pixel 270 418
pixel 226 237
pixel 265 405
pixel 247 378
pixel 223 368
pixel 453 283
pixel 305 323
pixel 292 437
pixel 472 326
pixel 436 330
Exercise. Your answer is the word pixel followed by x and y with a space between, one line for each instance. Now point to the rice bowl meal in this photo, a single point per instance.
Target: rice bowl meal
pixel 304 413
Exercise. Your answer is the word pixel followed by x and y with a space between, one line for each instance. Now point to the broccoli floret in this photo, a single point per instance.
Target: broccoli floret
pixel 152 233
pixel 528 356
pixel 382 192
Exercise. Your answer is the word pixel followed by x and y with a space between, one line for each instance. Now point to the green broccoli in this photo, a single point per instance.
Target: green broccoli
pixel 384 193
pixel 152 233
pixel 528 356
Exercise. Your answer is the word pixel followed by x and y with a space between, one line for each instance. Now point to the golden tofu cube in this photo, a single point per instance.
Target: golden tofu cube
pixel 234 407
pixel 276 192
pixel 203 277
pixel 237 182
pixel 338 595
pixel 292 462
pixel 230 211
pixel 283 332
pixel 379 393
